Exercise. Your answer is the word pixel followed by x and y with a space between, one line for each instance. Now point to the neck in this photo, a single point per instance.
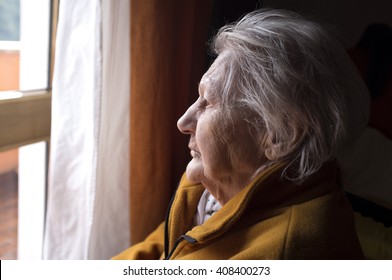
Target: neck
pixel 225 188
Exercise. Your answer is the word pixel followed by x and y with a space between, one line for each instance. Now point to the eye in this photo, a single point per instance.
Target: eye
pixel 207 103
pixel 203 103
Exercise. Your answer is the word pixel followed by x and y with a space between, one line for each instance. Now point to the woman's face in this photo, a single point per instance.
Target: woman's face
pixel 223 152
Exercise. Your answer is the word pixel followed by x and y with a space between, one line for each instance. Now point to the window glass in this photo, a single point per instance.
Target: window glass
pixel 9 46
pixel 8 204
pixel 24 46
pixel 9 20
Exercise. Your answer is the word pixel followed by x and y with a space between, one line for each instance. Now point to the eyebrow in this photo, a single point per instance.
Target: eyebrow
pixel 210 80
pixel 201 88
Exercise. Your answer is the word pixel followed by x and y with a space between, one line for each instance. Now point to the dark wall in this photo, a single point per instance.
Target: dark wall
pixel 350 17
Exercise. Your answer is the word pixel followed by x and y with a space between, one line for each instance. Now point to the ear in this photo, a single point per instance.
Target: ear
pixel 277 148
pixel 273 151
pixel 271 148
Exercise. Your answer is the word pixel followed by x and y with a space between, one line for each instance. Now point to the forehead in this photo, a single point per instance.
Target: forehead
pixel 213 78
pixel 218 66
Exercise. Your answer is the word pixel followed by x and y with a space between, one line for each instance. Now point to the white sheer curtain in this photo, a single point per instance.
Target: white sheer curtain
pixel 88 195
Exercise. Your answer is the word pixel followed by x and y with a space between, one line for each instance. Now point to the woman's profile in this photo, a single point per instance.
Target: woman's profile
pixel 279 102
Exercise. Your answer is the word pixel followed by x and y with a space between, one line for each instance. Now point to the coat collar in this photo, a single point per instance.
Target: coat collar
pixel 260 199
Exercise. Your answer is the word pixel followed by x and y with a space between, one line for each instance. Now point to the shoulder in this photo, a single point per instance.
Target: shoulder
pixel 322 228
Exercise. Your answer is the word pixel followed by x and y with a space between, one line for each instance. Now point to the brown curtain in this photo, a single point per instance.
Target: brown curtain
pixel 168 58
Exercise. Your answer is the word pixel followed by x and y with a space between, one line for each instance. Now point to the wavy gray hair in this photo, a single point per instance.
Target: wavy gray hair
pixel 296 85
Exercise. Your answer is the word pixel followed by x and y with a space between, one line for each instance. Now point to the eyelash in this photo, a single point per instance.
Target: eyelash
pixel 207 104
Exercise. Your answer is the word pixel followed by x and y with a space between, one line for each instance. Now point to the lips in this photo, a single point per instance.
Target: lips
pixel 193 147
pixel 194 152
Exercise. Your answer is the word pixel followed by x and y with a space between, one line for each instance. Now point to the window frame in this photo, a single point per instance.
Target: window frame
pixel 27 119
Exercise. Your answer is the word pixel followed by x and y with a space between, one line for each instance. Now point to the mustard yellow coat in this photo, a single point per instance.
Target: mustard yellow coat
pixel 269 219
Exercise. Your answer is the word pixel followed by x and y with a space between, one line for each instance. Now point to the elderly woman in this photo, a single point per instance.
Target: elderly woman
pixel 277 105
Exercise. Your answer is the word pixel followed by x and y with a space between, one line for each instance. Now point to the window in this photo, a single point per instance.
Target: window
pixel 9 45
pixel 26 30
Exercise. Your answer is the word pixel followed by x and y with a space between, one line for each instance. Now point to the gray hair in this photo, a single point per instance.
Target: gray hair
pixel 302 93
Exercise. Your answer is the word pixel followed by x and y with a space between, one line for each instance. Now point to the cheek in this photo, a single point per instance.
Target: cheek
pixel 226 151
pixel 213 148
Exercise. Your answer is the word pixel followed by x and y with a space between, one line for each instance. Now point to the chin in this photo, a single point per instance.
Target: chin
pixel 194 171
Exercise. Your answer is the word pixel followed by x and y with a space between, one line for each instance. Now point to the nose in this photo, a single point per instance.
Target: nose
pixel 187 123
